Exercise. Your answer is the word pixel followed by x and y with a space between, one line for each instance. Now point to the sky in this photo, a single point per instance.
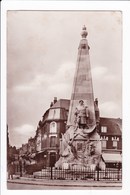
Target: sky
pixel 42 48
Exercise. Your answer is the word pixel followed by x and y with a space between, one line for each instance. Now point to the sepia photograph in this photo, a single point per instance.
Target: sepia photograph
pixel 64 99
pixel 64 121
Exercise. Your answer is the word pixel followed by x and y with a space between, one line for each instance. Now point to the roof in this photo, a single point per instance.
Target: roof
pixel 114 126
pixel 111 157
pixel 57 114
pixel 58 111
pixel 62 103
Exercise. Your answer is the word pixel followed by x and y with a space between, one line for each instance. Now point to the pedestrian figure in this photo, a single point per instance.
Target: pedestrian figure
pixel 11 170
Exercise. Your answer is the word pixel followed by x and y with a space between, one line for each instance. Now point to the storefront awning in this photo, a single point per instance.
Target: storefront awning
pixel 112 158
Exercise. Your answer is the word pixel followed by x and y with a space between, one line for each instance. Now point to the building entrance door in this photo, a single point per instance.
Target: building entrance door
pixel 52 159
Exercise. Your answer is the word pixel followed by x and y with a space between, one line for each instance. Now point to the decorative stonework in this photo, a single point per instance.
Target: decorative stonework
pixel 80 149
pixel 80 145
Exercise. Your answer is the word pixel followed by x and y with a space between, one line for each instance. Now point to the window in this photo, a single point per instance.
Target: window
pixel 115 144
pixel 104 143
pixel 53 127
pixel 52 141
pixel 44 141
pixel 104 129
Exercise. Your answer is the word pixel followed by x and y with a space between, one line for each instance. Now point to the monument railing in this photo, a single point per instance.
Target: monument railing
pixel 110 174
pixel 83 174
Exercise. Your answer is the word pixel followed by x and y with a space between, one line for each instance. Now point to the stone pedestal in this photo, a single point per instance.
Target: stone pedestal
pixel 80 149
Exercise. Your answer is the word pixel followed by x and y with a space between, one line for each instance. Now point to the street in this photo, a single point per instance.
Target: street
pixel 16 186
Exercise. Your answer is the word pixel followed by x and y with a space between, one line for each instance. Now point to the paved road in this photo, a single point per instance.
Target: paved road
pixel 15 186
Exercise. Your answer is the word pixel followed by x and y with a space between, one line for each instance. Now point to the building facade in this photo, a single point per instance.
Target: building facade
pixel 110 130
pixel 49 132
pixel 53 125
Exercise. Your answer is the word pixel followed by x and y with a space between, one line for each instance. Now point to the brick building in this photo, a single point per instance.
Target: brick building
pixel 110 130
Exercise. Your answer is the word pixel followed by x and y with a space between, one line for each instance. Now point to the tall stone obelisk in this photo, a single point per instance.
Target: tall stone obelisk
pixel 81 145
pixel 82 86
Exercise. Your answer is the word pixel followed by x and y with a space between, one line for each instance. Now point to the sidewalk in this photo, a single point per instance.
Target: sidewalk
pixel 72 183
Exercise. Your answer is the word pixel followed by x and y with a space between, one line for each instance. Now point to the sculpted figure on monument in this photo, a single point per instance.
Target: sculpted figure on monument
pixel 82 115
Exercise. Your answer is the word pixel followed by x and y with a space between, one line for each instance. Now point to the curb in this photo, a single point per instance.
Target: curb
pixel 70 184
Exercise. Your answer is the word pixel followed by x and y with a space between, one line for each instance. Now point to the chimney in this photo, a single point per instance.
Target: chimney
pixel 55 100
pixel 51 104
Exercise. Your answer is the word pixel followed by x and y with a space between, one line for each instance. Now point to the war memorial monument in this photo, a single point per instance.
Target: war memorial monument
pixel 81 145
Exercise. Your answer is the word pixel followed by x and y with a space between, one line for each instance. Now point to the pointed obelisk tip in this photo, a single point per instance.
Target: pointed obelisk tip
pixel 84 32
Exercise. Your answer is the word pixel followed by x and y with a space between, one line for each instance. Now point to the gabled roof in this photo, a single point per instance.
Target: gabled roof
pixel 114 126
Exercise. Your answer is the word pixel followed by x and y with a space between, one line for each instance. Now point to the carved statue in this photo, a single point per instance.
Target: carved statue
pixel 80 147
pixel 82 115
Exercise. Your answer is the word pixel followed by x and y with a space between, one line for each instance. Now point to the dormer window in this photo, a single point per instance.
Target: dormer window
pixel 103 129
